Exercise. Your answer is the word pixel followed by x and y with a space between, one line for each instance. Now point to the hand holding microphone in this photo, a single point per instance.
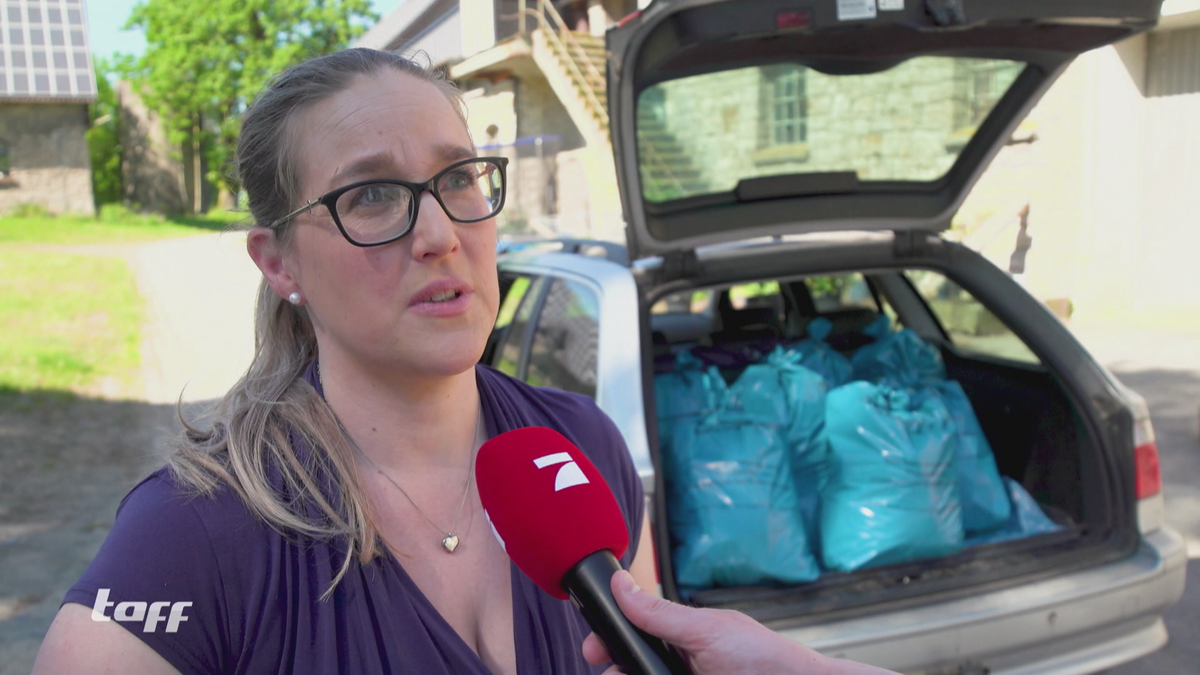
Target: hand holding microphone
pixel 557 519
pixel 718 642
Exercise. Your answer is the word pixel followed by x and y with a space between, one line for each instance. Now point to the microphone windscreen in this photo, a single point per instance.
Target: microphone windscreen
pixel 547 503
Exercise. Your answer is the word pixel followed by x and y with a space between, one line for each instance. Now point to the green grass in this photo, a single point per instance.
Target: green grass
pixel 69 321
pixel 113 226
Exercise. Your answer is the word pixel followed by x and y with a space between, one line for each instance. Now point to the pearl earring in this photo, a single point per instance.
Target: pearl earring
pixel 295 298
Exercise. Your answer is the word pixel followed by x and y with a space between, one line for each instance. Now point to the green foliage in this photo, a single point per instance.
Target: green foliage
pixel 104 143
pixel 661 191
pixel 70 321
pixel 115 225
pixel 206 59
pixel 29 210
pixel 754 290
pixel 829 286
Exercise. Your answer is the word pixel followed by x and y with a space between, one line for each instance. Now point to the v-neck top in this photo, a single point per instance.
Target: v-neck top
pixel 255 593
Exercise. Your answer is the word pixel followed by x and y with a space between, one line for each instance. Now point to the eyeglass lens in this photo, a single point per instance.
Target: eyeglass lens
pixel 378 212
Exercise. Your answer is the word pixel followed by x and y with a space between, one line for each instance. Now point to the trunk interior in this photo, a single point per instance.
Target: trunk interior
pixel 1034 427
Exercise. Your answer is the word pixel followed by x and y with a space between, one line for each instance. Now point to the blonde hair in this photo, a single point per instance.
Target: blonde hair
pixel 248 439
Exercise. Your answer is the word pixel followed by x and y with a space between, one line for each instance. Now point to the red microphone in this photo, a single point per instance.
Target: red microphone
pixel 558 520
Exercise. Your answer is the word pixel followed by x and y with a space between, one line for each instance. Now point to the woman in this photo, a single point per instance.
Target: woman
pixel 327 519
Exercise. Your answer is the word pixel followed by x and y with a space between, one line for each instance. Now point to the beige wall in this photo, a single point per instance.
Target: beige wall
pixel 1111 182
pixel 1168 257
pixel 478 25
pixel 48 157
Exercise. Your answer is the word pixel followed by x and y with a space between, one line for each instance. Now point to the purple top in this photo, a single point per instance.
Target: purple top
pixel 255 594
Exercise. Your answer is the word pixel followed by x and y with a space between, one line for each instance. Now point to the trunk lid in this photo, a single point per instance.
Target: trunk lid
pixel 734 120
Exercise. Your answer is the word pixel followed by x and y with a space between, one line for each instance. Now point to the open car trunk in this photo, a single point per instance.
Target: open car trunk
pixel 1039 401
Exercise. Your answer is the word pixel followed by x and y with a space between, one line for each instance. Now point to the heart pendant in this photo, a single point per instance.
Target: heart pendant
pixel 450 542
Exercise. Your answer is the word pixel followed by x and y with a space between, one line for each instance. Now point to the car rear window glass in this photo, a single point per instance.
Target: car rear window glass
pixel 703 134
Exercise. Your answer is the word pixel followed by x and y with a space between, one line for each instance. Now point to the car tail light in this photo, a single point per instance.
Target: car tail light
pixel 1145 460
pixel 1147 476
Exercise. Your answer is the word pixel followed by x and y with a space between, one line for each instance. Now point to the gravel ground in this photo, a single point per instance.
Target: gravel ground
pixel 66 463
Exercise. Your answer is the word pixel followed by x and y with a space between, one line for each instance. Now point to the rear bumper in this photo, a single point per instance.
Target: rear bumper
pixel 1067 625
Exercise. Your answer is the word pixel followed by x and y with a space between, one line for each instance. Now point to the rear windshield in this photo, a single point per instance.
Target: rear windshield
pixel 703 134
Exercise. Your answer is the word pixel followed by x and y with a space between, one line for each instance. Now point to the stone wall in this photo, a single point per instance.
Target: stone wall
pixel 547 187
pixel 152 172
pixel 897 124
pixel 48 157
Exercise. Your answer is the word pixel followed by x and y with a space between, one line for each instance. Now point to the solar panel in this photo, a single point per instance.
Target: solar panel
pixel 44 51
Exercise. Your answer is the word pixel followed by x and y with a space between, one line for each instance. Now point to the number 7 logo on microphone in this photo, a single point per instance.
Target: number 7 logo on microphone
pixel 569 475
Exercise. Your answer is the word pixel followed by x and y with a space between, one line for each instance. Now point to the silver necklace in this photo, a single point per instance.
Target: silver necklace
pixel 450 540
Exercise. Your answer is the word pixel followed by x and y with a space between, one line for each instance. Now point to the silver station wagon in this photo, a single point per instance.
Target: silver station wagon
pixel 808 253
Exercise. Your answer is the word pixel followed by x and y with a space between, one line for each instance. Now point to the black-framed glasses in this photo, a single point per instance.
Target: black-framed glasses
pixel 377 212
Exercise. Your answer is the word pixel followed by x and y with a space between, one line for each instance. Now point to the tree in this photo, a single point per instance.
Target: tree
pixel 104 145
pixel 206 59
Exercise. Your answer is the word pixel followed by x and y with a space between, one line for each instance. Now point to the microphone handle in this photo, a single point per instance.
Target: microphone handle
pixel 634 650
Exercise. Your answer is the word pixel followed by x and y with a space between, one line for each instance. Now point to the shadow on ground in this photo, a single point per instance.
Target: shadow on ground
pixel 65 464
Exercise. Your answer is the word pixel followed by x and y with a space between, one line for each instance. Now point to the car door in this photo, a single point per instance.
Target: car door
pixel 547 332
pixel 507 346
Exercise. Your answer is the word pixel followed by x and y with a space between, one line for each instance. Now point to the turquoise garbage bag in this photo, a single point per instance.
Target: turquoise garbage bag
pixel 899 359
pixel 892 493
pixel 819 357
pixel 742 481
pixel 685 393
pixel 782 392
pixel 732 506
pixel 1026 519
pixel 985 501
pixel 880 328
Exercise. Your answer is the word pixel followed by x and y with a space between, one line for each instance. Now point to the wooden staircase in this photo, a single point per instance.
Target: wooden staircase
pixel 573 64
pixel 667 168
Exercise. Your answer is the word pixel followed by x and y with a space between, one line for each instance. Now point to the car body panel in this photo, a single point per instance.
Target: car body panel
pixel 1064 625
pixel 1071 621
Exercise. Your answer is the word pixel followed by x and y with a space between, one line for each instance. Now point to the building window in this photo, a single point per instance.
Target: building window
pixel 787 106
pixel 981 84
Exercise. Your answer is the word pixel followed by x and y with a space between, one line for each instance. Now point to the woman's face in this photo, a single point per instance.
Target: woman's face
pixel 374 304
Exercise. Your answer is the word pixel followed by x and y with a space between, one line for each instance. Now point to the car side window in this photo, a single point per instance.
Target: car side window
pixel 971 326
pixel 515 312
pixel 566 339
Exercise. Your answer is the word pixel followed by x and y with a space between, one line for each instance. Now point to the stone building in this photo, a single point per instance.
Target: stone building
pixel 46 84
pixel 532 76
